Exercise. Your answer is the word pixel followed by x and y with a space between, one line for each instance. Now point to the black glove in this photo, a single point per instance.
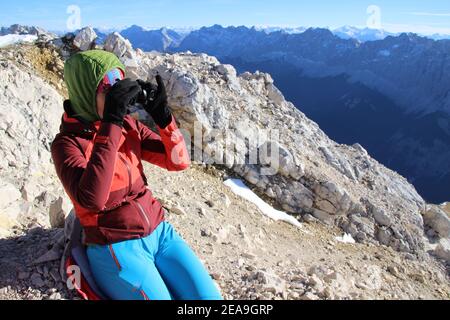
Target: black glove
pixel 118 99
pixel 156 104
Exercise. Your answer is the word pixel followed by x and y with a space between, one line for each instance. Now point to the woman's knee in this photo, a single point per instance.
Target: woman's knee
pixel 184 273
pixel 125 274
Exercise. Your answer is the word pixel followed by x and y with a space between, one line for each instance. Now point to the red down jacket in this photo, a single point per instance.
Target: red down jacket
pixel 100 167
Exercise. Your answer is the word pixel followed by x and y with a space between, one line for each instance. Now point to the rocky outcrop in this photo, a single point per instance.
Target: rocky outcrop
pixel 85 39
pixel 438 221
pixel 437 227
pixel 122 48
pixel 30 115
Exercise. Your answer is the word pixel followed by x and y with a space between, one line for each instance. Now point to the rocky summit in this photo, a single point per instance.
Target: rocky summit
pixel 239 126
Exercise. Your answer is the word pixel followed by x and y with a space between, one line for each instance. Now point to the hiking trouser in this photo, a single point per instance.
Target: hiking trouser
pixel 160 266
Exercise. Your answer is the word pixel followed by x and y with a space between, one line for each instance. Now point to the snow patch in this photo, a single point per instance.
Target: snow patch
pixel 240 189
pixel 10 39
pixel 346 238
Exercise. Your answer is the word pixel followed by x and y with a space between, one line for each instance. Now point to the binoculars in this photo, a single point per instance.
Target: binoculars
pixel 142 97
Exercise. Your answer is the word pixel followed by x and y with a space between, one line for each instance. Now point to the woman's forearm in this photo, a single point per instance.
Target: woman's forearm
pixel 167 150
pixel 88 182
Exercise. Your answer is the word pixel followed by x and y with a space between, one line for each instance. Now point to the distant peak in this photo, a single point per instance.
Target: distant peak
pixel 135 27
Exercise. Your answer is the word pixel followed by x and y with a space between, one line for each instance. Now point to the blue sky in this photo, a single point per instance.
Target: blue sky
pixel 413 15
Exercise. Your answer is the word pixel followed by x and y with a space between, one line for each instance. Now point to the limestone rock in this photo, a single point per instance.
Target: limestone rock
pixel 58 212
pixel 30 190
pixel 123 49
pixel 271 282
pixel 438 220
pixel 442 250
pixel 85 39
pixel 381 217
pixel 8 194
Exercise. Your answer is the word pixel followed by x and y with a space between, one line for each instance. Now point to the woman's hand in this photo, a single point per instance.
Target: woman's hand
pixel 117 100
pixel 157 105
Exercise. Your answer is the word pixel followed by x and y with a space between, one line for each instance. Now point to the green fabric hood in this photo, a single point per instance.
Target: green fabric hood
pixel 83 72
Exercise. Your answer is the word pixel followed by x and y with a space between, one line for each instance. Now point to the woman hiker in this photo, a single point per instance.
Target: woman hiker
pixel 132 251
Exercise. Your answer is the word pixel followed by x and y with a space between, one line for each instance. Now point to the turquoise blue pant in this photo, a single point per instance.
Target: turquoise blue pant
pixel 159 267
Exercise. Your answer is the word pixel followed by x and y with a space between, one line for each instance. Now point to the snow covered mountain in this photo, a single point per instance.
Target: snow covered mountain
pixel 17 31
pixel 345 32
pixel 289 30
pixel 438 36
pixel 21 30
pixel 10 39
pixel 361 34
pixel 149 40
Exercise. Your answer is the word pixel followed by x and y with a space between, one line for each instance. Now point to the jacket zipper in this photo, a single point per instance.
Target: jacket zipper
pixel 142 212
pixel 129 172
pixel 140 209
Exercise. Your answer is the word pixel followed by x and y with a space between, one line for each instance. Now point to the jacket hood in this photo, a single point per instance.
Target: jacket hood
pixel 83 72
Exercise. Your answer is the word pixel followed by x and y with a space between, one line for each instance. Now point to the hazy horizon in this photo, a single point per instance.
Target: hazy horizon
pixel 417 16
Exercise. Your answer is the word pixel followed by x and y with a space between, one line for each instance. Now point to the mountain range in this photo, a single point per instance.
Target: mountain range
pixel 362 34
pixel 24 30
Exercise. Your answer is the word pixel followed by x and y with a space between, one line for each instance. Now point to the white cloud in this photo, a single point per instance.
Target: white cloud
pixel 420 29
